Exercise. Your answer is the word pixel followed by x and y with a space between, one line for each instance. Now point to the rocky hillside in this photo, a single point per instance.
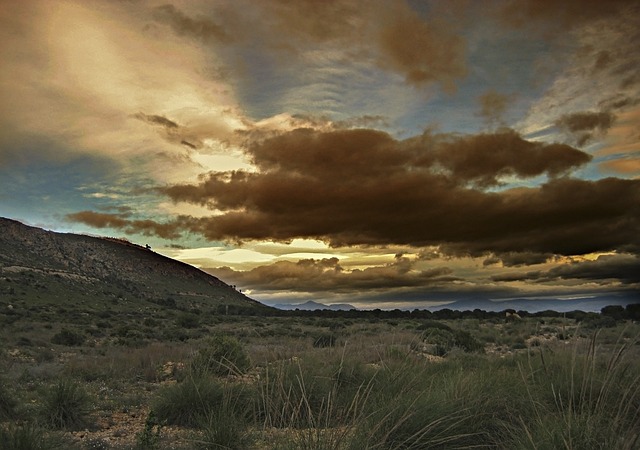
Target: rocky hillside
pixel 43 266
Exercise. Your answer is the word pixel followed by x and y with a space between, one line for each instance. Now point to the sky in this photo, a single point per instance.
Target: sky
pixel 385 154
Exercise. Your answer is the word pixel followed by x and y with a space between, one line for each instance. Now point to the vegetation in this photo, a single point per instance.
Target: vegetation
pixel 195 379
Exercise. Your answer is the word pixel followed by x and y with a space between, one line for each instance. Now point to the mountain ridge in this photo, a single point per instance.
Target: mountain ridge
pixel 36 262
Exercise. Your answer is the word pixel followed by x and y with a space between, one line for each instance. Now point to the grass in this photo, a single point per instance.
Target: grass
pixel 255 383
pixel 66 405
pixel 30 437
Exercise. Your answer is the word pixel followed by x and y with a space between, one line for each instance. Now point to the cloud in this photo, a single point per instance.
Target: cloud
pixel 157 120
pixel 423 51
pixel 171 230
pixel 517 258
pixel 554 17
pixel 621 268
pixel 354 187
pixel 493 105
pixel 388 35
pixel 202 28
pixel 314 275
pixel 482 159
pixel 585 125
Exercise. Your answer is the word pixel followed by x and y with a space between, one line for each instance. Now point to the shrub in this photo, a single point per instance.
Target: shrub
pixel 442 341
pixel 66 406
pixel 149 437
pixel 188 320
pixel 68 337
pixel 224 355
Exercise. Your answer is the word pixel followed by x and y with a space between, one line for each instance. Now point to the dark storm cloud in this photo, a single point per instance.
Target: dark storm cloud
pixel 172 131
pixel 585 125
pixel 623 268
pixel 354 187
pixel 520 258
pixel 587 121
pixel 157 120
pixel 202 28
pixel 549 14
pixel 482 159
pixel 327 275
pixel 122 222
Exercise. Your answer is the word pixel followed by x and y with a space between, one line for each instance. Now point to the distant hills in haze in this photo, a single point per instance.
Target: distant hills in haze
pixel 39 266
pixel 530 305
pixel 594 304
pixel 314 306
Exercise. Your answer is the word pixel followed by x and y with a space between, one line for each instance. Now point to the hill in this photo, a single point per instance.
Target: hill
pixel 45 267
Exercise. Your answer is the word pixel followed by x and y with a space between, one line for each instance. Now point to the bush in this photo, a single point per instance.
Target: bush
pixel 442 341
pixel 224 355
pixel 188 320
pixel 68 337
pixel 66 406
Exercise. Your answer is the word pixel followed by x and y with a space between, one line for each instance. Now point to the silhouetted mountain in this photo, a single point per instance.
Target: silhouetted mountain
pixel 38 265
pixel 312 306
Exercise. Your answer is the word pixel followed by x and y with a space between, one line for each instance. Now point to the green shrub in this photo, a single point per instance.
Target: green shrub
pixel 433 324
pixel 442 341
pixel 223 355
pixel 68 337
pixel 66 405
pixel 188 320
pixel 149 437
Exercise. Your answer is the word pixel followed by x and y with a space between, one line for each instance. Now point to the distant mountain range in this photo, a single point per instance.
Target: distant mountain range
pixel 39 266
pixel 313 306
pixel 594 304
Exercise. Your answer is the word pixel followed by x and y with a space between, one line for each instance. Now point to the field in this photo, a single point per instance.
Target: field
pixel 196 379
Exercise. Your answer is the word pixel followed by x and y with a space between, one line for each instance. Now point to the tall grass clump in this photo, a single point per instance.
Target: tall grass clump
pixel 584 397
pixel 66 405
pixel 196 400
pixel 223 427
pixel 29 437
pixel 424 405
pixel 313 393
pixel 8 402
pixel 222 356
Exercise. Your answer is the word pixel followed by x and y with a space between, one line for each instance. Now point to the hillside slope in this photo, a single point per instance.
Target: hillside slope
pixel 43 266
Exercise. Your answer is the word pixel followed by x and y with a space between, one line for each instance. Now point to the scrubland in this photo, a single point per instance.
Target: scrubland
pixel 183 379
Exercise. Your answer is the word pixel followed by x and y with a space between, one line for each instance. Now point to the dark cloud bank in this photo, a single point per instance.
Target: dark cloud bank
pixel 363 187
